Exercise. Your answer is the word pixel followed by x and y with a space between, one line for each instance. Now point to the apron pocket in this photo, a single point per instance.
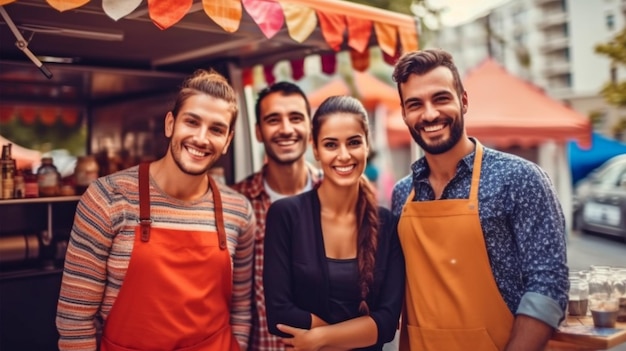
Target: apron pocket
pixel 429 339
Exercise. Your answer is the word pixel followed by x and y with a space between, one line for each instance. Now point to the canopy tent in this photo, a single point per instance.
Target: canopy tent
pixel 369 89
pixel 191 32
pixel 583 161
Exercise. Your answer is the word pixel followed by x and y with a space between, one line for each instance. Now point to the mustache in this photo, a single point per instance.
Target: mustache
pixel 438 120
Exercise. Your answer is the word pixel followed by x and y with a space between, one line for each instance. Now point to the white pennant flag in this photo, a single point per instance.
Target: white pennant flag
pixel 117 9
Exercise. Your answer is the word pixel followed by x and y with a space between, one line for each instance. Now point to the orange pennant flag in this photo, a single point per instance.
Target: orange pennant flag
pixel 387 35
pixel 64 5
pixel 301 21
pixel 166 13
pixel 268 15
pixel 359 32
pixel 360 59
pixel 409 39
pixel 333 27
pixel 226 13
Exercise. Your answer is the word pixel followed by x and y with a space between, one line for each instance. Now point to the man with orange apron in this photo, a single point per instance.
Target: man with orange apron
pixel 146 314
pixel 482 231
pixel 160 252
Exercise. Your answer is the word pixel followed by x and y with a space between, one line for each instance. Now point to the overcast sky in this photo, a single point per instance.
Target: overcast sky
pixel 459 11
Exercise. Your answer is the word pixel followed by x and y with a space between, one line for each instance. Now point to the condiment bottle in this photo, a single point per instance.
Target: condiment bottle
pixel 31 184
pixel 86 171
pixel 7 165
pixel 48 178
pixel 20 188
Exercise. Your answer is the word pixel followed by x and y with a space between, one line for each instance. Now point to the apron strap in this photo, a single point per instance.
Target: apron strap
pixel 219 213
pixel 144 201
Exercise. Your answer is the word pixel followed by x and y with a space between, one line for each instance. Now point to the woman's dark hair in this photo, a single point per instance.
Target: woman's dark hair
pixel 367 205
pixel 210 83
pixel 422 62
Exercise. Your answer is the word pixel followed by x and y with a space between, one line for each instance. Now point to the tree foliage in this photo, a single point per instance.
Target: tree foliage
pixel 614 92
pixel 401 6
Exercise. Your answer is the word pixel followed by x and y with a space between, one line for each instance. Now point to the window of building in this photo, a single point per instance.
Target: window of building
pixel 610 21
pixel 614 75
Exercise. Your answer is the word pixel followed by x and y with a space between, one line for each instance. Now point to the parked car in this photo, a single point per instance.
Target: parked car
pixel 600 199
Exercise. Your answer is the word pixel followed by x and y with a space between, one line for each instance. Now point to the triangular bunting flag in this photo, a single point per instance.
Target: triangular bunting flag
pixel 409 40
pixel 267 14
pixel 226 13
pixel 117 9
pixel 359 32
pixel 268 72
pixel 64 5
pixel 360 60
pixel 166 13
pixel 301 21
pixel 333 28
pixel 329 63
pixel 297 68
pixel 387 35
pixel 247 78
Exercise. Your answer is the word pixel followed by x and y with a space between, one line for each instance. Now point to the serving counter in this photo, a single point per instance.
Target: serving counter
pixel 578 334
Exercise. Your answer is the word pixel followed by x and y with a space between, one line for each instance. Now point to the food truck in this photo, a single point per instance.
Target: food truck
pixel 113 66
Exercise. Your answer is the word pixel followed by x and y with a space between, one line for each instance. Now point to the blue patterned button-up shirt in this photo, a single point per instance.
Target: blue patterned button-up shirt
pixel 522 222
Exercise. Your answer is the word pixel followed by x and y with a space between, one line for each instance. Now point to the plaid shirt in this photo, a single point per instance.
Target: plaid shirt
pixel 253 188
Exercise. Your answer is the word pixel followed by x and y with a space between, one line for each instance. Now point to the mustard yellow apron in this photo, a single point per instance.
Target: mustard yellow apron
pixel 452 301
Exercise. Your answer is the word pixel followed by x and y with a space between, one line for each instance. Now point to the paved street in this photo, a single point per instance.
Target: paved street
pixel 584 250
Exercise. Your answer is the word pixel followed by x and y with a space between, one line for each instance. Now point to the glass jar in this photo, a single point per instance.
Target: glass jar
pixel 48 178
pixel 601 295
pixel 619 289
pixel 578 294
pixel 86 171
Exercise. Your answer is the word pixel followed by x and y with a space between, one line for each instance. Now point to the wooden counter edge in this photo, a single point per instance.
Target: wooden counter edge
pixel 570 341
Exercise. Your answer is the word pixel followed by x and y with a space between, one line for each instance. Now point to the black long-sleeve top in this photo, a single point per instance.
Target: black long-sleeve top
pixel 295 272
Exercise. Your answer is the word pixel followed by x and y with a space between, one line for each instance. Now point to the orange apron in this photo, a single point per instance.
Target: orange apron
pixel 452 301
pixel 177 290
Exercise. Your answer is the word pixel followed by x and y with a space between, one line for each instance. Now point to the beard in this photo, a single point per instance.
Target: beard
pixel 444 145
pixel 176 152
pixel 285 158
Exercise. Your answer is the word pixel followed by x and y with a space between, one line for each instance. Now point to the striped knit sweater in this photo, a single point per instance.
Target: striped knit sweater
pixel 101 243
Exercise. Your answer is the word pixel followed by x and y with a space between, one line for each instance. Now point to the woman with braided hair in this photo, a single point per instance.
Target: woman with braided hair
pixel 333 267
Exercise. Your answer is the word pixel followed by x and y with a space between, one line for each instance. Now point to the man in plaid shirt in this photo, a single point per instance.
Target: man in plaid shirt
pixel 283 125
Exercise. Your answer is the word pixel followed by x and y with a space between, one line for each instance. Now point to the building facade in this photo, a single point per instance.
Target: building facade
pixel 551 44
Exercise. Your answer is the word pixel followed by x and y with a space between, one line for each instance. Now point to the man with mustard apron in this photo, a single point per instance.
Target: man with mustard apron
pixel 161 253
pixel 482 231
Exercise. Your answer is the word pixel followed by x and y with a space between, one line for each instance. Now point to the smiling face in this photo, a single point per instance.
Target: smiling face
pixel 200 133
pixel 284 127
pixel 433 111
pixel 341 148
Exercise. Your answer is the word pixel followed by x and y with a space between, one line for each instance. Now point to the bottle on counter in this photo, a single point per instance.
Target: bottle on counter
pixel 48 178
pixel 20 187
pixel 86 171
pixel 7 166
pixel 31 183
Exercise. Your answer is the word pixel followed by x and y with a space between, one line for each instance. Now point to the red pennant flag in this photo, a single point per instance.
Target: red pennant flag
pixel 333 28
pixel 329 63
pixel 166 13
pixel 297 68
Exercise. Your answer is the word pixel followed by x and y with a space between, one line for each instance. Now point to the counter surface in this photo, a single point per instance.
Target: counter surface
pixel 578 333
